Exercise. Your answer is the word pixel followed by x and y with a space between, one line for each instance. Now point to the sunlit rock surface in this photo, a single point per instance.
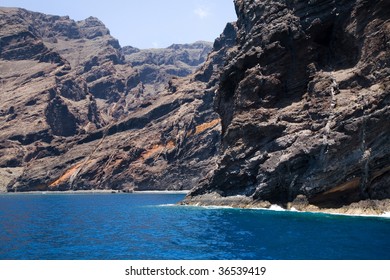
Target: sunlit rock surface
pixel 304 104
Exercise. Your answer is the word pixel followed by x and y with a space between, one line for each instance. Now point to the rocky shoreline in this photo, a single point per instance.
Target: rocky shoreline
pixel 112 191
pixel 367 208
pixel 376 208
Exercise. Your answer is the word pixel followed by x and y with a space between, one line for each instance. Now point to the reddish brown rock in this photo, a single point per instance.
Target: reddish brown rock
pixel 78 112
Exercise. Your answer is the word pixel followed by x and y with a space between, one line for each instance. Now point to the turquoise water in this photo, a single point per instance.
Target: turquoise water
pixel 147 226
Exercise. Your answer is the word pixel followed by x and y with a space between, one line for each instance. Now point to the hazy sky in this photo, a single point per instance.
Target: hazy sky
pixel 144 23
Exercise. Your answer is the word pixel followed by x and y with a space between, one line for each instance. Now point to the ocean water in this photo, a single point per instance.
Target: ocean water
pixel 150 226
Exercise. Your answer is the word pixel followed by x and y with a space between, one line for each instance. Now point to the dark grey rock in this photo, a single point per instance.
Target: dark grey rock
pixel 304 104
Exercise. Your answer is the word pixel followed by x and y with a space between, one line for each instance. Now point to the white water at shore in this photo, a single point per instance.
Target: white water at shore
pixel 277 208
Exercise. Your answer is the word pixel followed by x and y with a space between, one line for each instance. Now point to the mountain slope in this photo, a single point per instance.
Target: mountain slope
pixel 75 113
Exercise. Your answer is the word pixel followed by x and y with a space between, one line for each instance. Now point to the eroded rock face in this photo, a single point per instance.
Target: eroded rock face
pixel 304 104
pixel 154 68
pixel 75 114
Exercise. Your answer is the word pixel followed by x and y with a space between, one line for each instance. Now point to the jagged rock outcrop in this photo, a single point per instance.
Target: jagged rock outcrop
pixel 154 68
pixel 177 60
pixel 304 100
pixel 74 114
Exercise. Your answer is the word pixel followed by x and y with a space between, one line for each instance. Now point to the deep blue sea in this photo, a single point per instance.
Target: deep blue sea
pixel 149 226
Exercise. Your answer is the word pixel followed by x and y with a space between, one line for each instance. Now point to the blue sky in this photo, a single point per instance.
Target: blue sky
pixel 144 23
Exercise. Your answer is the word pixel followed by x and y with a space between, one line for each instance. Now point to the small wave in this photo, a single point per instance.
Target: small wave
pixel 386 215
pixel 167 205
pixel 278 208
pixel 275 207
pixel 217 207
pixel 204 206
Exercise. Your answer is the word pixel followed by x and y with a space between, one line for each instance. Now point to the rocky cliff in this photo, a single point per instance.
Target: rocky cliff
pixel 76 111
pixel 301 91
pixel 304 101
pixel 154 68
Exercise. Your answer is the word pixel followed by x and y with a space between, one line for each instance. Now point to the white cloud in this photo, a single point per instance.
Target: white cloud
pixel 202 12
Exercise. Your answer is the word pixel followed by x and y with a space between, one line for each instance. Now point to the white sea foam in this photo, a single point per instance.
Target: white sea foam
pixel 280 209
pixel 386 215
pixel 209 206
pixel 167 205
pixel 275 207
pixel 217 207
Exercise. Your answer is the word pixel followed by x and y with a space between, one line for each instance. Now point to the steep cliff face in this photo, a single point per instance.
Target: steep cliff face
pixel 304 104
pixel 75 114
pixel 154 68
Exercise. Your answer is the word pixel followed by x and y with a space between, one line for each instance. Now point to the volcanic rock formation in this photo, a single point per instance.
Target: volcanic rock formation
pixel 304 104
pixel 79 112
